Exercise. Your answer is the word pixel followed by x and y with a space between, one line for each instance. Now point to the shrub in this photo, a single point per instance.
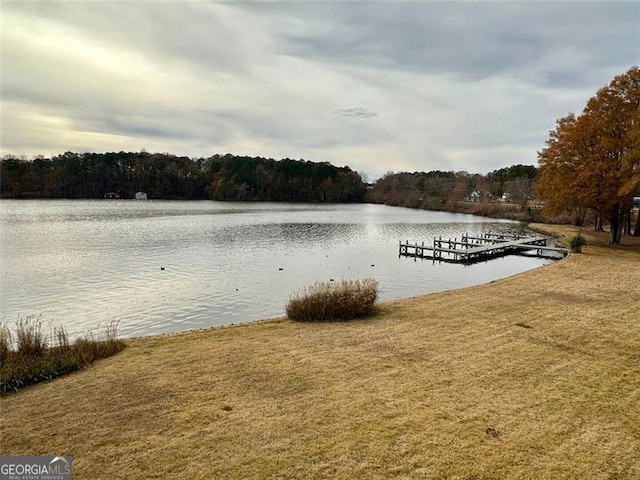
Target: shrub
pixel 334 301
pixel 33 361
pixel 577 243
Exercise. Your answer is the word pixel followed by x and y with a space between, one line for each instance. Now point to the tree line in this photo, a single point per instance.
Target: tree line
pixel 494 194
pixel 166 176
pixel 242 178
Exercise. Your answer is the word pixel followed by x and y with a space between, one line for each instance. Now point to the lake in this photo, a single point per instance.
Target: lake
pixel 168 266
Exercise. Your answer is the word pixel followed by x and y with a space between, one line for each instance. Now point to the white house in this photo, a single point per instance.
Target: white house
pixel 474 197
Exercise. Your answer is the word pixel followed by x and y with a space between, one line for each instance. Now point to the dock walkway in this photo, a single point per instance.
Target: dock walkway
pixel 471 249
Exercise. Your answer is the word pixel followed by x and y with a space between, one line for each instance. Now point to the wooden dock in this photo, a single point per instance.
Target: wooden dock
pixel 471 249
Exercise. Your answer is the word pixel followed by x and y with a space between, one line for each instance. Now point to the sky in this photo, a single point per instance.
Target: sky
pixel 380 86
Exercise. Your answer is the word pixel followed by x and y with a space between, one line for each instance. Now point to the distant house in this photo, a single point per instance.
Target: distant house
pixel 474 197
pixel 141 196
pixel 112 195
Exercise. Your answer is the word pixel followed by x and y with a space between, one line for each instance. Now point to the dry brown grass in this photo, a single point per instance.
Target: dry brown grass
pixel 445 386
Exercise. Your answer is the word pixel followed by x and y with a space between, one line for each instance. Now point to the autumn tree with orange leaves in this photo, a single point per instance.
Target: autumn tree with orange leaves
pixel 592 161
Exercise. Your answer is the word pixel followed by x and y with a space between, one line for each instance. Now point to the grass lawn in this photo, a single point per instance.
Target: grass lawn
pixel 536 376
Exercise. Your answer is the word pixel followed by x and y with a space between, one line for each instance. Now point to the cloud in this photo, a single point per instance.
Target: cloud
pixel 473 40
pixel 356 112
pixel 376 85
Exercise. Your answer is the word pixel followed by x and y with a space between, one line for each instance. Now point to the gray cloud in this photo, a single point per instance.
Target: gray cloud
pixel 449 85
pixel 355 112
pixel 473 40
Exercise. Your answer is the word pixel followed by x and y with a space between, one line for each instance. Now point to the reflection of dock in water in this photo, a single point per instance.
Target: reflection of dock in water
pixel 471 249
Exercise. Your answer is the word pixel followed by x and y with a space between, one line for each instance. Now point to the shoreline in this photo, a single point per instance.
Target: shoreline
pixel 534 374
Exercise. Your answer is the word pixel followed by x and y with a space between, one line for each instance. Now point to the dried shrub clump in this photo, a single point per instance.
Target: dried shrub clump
pixel 31 358
pixel 334 301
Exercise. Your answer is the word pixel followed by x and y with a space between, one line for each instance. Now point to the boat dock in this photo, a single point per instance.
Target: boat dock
pixel 471 249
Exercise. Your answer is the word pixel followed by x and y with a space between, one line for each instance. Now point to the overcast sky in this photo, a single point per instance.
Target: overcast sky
pixel 379 86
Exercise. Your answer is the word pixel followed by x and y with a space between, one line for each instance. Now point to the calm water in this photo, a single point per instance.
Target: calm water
pixel 86 263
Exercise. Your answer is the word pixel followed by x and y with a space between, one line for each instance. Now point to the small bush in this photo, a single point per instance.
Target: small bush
pixel 33 361
pixel 577 243
pixel 334 301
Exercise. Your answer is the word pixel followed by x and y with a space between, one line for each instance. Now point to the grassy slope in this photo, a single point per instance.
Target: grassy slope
pixel 441 386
